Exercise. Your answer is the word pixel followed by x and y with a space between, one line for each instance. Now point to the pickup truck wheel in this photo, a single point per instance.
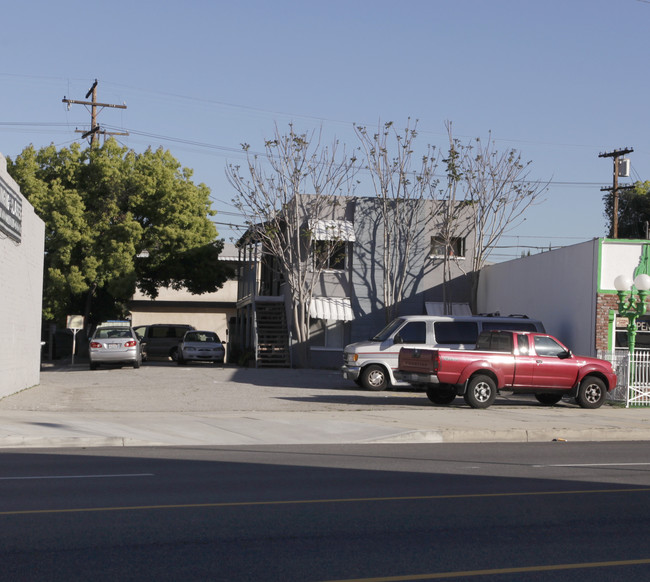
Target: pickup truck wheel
pixel 374 378
pixel 481 391
pixel 548 399
pixel 592 392
pixel 441 395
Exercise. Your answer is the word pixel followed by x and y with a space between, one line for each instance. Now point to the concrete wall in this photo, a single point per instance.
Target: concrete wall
pixel 559 287
pixel 21 296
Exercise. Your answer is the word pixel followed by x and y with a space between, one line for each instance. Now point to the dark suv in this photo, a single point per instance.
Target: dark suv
pixel 161 340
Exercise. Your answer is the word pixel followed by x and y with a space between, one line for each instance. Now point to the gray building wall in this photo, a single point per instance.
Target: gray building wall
pixel 558 287
pixel 424 281
pixel 21 293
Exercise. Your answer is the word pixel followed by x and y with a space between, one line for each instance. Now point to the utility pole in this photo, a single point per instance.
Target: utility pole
pixel 95 130
pixel 616 154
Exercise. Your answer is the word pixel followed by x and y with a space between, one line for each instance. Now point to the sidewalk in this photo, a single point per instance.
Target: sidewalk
pixel 164 404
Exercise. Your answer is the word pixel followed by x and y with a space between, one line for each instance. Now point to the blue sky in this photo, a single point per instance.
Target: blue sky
pixel 559 80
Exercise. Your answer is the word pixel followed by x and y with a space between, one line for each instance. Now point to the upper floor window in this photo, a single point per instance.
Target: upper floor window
pixel 454 247
pixel 330 240
pixel 330 254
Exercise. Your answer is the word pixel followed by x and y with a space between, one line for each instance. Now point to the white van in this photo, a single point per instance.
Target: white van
pixel 371 364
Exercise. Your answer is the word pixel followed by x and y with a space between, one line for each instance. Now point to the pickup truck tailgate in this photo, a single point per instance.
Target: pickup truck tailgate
pixel 416 360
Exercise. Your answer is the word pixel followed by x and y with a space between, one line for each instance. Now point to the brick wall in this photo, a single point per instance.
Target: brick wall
pixel 605 303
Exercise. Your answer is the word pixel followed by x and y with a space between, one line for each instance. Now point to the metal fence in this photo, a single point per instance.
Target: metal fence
pixel 633 373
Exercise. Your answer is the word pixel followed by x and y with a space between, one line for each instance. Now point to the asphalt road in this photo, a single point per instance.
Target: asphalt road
pixel 537 511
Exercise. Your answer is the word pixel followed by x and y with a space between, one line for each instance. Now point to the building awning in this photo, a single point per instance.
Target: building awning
pixel 438 308
pixel 333 308
pixel 332 230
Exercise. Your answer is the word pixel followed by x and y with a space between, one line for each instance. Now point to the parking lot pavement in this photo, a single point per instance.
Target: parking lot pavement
pixel 165 404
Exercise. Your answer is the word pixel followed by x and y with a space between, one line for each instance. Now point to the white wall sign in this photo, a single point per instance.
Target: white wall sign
pixel 11 212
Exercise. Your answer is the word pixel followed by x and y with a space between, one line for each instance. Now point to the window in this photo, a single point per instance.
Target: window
pixel 330 254
pixel 494 342
pixel 522 340
pixel 642 334
pixel 414 332
pixel 546 346
pixel 456 332
pixel 326 333
pixel 454 247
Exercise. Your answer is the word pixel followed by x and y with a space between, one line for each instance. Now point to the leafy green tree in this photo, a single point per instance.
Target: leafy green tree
pixel 633 211
pixel 116 219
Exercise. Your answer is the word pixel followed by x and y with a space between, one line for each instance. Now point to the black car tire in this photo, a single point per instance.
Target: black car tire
pixel 136 364
pixel 481 391
pixel 548 399
pixel 592 392
pixel 374 378
pixel 173 354
pixel 441 394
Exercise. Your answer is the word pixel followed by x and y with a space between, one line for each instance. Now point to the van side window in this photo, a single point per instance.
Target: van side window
pixel 157 332
pixel 456 332
pixel 177 332
pixel 414 332
pixel 494 342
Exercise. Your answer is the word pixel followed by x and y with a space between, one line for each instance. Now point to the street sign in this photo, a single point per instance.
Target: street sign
pixel 75 322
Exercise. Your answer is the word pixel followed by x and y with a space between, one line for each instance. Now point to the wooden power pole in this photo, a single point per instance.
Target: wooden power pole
pixel 95 130
pixel 616 154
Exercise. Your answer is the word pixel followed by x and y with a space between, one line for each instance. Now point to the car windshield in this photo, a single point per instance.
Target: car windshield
pixel 385 333
pixel 112 333
pixel 201 336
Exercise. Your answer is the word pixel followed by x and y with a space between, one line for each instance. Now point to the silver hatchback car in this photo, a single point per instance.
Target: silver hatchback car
pixel 114 343
pixel 201 346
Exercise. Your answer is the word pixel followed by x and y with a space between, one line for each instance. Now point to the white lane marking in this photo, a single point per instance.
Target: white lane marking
pixel 596 465
pixel 77 476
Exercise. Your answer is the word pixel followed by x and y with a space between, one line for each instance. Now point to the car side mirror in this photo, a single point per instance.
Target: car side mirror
pixel 565 355
pixel 398 339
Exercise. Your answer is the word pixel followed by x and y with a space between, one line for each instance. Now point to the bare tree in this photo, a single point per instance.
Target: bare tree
pixel 297 179
pixel 451 218
pixel 402 190
pixel 499 191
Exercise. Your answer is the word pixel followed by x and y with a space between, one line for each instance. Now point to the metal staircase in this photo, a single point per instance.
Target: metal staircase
pixel 272 336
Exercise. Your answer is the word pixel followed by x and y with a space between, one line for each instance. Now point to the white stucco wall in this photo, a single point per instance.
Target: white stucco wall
pixel 559 287
pixel 21 295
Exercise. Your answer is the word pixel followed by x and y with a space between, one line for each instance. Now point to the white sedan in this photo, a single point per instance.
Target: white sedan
pixel 198 346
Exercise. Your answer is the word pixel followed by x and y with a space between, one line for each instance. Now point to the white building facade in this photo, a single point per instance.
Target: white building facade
pixel 22 239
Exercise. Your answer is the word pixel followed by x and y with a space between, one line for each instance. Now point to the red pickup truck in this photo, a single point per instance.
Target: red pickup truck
pixel 519 362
